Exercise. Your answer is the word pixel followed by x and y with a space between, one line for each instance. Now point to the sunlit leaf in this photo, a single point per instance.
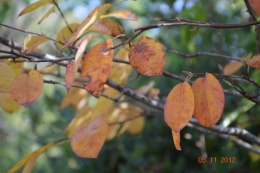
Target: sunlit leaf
pixel 51 10
pixel 75 97
pixel 179 106
pixel 34 6
pixel 254 62
pixel 30 159
pixel 7 103
pixel 97 65
pixel 88 140
pixel 122 14
pixel 255 5
pixel 90 20
pixel 209 100
pixel 232 67
pixel 7 76
pixel 147 57
pixel 107 28
pixel 176 140
pixel 26 88
pixel 64 34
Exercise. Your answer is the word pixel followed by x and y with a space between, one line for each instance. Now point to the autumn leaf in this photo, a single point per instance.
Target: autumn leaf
pixel 232 67
pixel 179 106
pixel 87 23
pixel 15 66
pixel 254 62
pixel 34 6
pixel 107 28
pixel 69 75
pixel 7 103
pixel 51 10
pixel 34 42
pixel 26 88
pixel 7 76
pixel 30 159
pixel 97 65
pixel 88 140
pixel 64 34
pixel 122 14
pixel 176 140
pixel 209 100
pixel 136 126
pixel 255 5
pixel 147 57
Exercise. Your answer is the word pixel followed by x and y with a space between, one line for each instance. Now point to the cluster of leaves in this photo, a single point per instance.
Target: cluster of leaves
pixel 90 128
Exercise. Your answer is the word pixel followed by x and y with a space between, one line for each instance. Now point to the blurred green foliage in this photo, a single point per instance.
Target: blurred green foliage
pixel 153 150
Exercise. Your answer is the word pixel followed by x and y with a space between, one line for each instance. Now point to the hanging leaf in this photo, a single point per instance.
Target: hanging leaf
pixel 122 14
pixel 34 6
pixel 97 65
pixel 147 57
pixel 176 140
pixel 7 76
pixel 86 24
pixel 64 34
pixel 254 62
pixel 255 5
pixel 107 28
pixel 88 140
pixel 209 100
pixel 69 75
pixel 232 67
pixel 51 10
pixel 7 103
pixel 179 106
pixel 30 159
pixel 26 88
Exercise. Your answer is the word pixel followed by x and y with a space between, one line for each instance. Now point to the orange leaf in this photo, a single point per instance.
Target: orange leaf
pixel 7 76
pixel 209 100
pixel 176 140
pixel 107 28
pixel 51 10
pixel 88 140
pixel 179 106
pixel 97 65
pixel 26 88
pixel 34 6
pixel 69 75
pixel 123 14
pixel 255 5
pixel 64 34
pixel 86 24
pixel 254 62
pixel 30 159
pixel 147 57
pixel 7 103
pixel 232 67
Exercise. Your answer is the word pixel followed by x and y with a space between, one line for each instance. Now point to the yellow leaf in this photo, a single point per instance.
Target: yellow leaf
pixel 176 140
pixel 34 6
pixel 51 10
pixel 7 103
pixel 136 126
pixel 122 14
pixel 64 34
pixel 15 66
pixel 7 76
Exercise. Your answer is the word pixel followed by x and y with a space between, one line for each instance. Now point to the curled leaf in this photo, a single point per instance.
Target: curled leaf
pixel 122 14
pixel 176 140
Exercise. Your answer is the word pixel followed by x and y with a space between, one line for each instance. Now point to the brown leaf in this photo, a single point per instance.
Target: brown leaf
pixel 97 65
pixel 107 28
pixel 209 100
pixel 254 62
pixel 26 88
pixel 179 106
pixel 88 140
pixel 255 5
pixel 147 57
pixel 69 75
